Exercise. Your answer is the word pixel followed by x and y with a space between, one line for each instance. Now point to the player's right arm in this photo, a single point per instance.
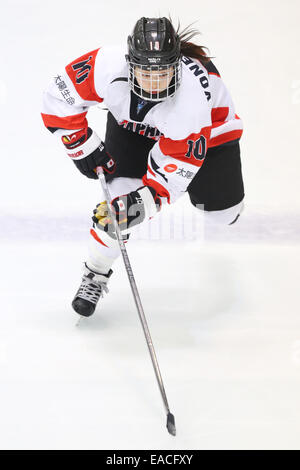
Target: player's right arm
pixel 65 105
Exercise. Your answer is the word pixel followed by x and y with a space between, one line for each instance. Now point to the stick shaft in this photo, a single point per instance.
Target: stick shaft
pixel 134 290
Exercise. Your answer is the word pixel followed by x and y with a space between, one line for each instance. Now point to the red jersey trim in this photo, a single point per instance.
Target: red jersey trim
pixel 226 137
pixel 81 73
pixel 178 149
pixel 77 121
pixel 219 114
pixel 217 124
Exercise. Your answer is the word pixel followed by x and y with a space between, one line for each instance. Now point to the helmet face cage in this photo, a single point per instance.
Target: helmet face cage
pixel 154 59
pixel 153 78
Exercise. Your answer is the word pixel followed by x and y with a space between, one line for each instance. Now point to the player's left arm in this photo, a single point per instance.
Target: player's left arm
pixel 172 164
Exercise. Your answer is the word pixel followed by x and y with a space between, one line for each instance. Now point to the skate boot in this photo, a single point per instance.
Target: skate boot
pixel 92 286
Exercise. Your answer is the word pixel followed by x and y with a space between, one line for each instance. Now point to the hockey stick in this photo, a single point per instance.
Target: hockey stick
pixel 170 417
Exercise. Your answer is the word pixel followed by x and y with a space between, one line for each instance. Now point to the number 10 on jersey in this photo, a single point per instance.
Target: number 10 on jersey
pixel 197 148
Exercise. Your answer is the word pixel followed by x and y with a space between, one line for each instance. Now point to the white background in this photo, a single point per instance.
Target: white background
pixel 223 305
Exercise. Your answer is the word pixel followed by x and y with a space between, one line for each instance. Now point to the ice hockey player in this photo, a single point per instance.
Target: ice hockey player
pixel 171 128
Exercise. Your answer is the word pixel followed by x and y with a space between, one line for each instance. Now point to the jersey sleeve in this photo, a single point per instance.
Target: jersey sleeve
pixel 71 93
pixel 172 164
pixel 226 124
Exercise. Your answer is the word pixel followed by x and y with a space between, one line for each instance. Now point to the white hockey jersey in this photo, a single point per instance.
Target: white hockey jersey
pixel 200 115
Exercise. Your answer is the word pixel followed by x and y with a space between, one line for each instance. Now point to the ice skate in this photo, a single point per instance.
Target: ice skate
pixel 92 286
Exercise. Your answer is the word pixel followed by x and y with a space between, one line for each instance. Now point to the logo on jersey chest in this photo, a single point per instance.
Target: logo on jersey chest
pixel 140 105
pixel 142 129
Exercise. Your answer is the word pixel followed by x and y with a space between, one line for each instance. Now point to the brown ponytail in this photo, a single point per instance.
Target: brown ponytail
pixel 194 51
pixel 190 49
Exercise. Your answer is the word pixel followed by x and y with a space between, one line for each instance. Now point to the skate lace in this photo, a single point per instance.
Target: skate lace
pixel 91 290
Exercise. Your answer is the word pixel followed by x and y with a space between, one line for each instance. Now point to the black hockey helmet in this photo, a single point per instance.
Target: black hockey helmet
pixel 154 46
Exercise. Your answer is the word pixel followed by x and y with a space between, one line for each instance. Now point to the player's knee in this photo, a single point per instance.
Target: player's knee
pixel 226 216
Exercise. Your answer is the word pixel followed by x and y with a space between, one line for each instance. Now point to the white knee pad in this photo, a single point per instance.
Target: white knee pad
pixel 226 216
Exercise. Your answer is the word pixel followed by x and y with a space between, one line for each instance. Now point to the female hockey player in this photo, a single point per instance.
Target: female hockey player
pixel 171 128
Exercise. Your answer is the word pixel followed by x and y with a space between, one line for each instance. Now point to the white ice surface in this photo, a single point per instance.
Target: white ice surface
pixel 225 324
pixel 222 304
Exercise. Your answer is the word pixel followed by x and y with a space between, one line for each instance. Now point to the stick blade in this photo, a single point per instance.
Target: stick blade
pixel 171 424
